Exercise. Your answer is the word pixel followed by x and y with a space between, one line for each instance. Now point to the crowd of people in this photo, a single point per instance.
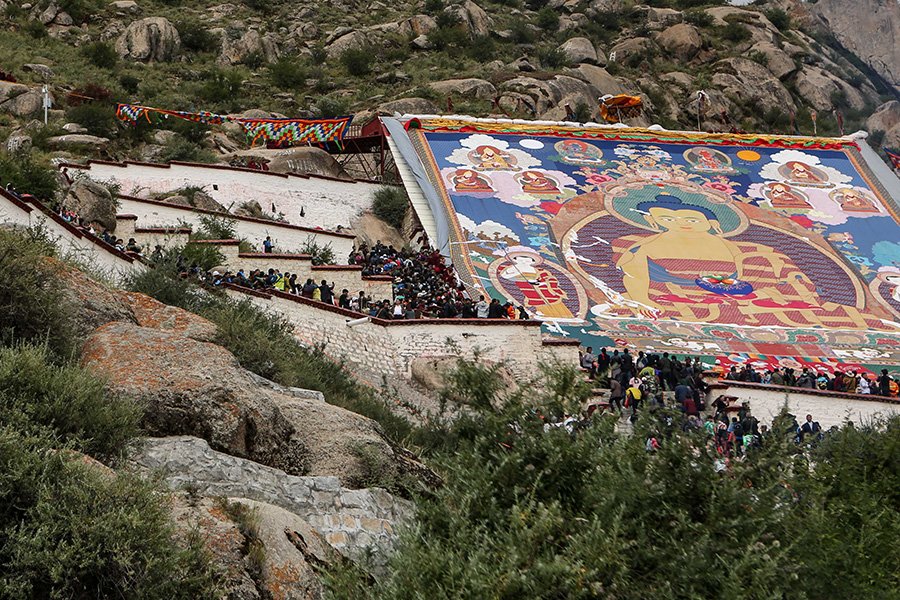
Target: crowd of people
pixel 849 381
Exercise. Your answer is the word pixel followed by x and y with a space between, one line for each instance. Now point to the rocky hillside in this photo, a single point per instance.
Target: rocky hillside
pixel 759 64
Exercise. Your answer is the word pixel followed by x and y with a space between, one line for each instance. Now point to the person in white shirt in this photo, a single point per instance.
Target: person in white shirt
pixel 481 309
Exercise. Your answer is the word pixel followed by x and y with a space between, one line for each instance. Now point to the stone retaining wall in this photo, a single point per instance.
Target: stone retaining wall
pixel 387 348
pixel 350 520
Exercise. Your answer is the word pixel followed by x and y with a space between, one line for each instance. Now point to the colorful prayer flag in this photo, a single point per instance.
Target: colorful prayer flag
pixel 894 157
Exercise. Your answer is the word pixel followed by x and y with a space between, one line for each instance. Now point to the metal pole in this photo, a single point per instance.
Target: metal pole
pixel 46 93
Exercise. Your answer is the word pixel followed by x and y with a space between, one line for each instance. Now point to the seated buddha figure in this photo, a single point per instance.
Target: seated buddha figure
pixel 535 182
pixel 852 200
pixel 466 180
pixel 690 271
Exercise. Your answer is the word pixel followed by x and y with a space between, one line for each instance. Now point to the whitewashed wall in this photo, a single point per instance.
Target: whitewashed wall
pixel 285 238
pixel 324 202
pixel 828 409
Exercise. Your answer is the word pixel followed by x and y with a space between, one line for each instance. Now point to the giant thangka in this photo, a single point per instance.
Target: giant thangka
pixel 778 251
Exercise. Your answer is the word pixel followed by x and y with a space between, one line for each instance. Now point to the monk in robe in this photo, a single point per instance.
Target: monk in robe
pixel 854 201
pixel 535 182
pixel 690 271
pixel 781 196
pixel 802 173
pixel 490 158
pixel 540 286
pixel 465 180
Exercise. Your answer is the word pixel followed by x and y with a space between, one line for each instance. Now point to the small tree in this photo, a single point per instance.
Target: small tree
pixel 358 61
pixel 390 205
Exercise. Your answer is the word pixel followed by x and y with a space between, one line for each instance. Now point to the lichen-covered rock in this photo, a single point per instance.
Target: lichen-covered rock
pixel 682 41
pixel 580 50
pixel 885 118
pixel 90 304
pixel 152 313
pixel 478 88
pixel 745 78
pixel 19 100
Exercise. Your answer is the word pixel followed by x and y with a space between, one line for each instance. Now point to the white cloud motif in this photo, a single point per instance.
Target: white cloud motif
pixel 460 156
pixel 770 170
pixel 490 230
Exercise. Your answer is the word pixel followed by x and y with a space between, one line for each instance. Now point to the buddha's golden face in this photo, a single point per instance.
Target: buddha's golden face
pixel 680 220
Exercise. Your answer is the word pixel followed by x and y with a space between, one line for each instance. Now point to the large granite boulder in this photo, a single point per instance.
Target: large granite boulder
pixel 194 388
pixel 153 39
pixel 885 118
pixel 681 41
pixel 479 88
pixel 92 202
pixel 19 100
pixel 580 50
pixel 233 52
pixel 745 78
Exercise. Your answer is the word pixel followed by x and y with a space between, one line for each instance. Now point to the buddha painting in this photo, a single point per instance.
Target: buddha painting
pixel 492 158
pixel 709 160
pixel 466 180
pixel 540 286
pixel 781 195
pixel 576 152
pixel 688 269
pixel 852 200
pixel 535 182
pixel 800 173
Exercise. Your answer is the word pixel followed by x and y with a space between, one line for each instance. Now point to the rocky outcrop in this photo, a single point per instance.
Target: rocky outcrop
pixel 193 388
pixel 77 141
pixel 821 89
pixel 870 29
pixel 349 520
pixel 478 88
pixel 682 41
pixel 473 19
pixel 251 44
pixel 149 312
pixel 204 201
pixel 92 202
pixel 885 118
pixel 19 100
pixel 353 40
pixel 628 48
pixel 580 50
pixel 600 79
pixel 306 160
pixel 90 304
pixel 153 39
pixel 412 106
pixel 779 63
pixel 745 78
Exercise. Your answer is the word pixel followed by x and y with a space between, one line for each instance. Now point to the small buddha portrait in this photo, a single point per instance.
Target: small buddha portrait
pixel 491 158
pixel 579 153
pixel 467 180
pixel 852 200
pixel 800 173
pixel 535 182
pixel 781 195
pixel 708 159
pixel 890 276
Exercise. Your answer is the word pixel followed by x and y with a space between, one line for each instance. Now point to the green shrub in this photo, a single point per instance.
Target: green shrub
pixel 213 228
pixel 553 58
pixel 521 32
pixel 330 107
pixel 195 36
pixel 358 61
pixel 32 307
pixel 27 175
pixel 80 10
pixel 203 256
pixel 64 399
pixel 482 49
pixel 322 254
pixel 222 86
pixel 101 54
pixel 71 530
pixel 391 205
pixel 286 74
pixel 548 19
pixel 779 18
pixel 434 7
pixel 129 83
pixel 187 151
pixel 99 118
pixel 735 32
pixel 700 18
pixel 35 29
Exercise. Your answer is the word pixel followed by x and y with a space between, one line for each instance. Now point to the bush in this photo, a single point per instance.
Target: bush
pixel 330 107
pixel 186 151
pixel 358 61
pixel 482 48
pixel 390 205
pixel 521 32
pixel 35 29
pixel 27 175
pixel 322 254
pixel 434 7
pixel 31 298
pixel 72 530
pixel 548 19
pixel 213 228
pixel 286 74
pixel 80 10
pixel 66 400
pixel 553 58
pixel 129 83
pixel 202 256
pixel 222 86
pixel 99 119
pixel 700 18
pixel 735 32
pixel 101 54
pixel 195 36
pixel 779 18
